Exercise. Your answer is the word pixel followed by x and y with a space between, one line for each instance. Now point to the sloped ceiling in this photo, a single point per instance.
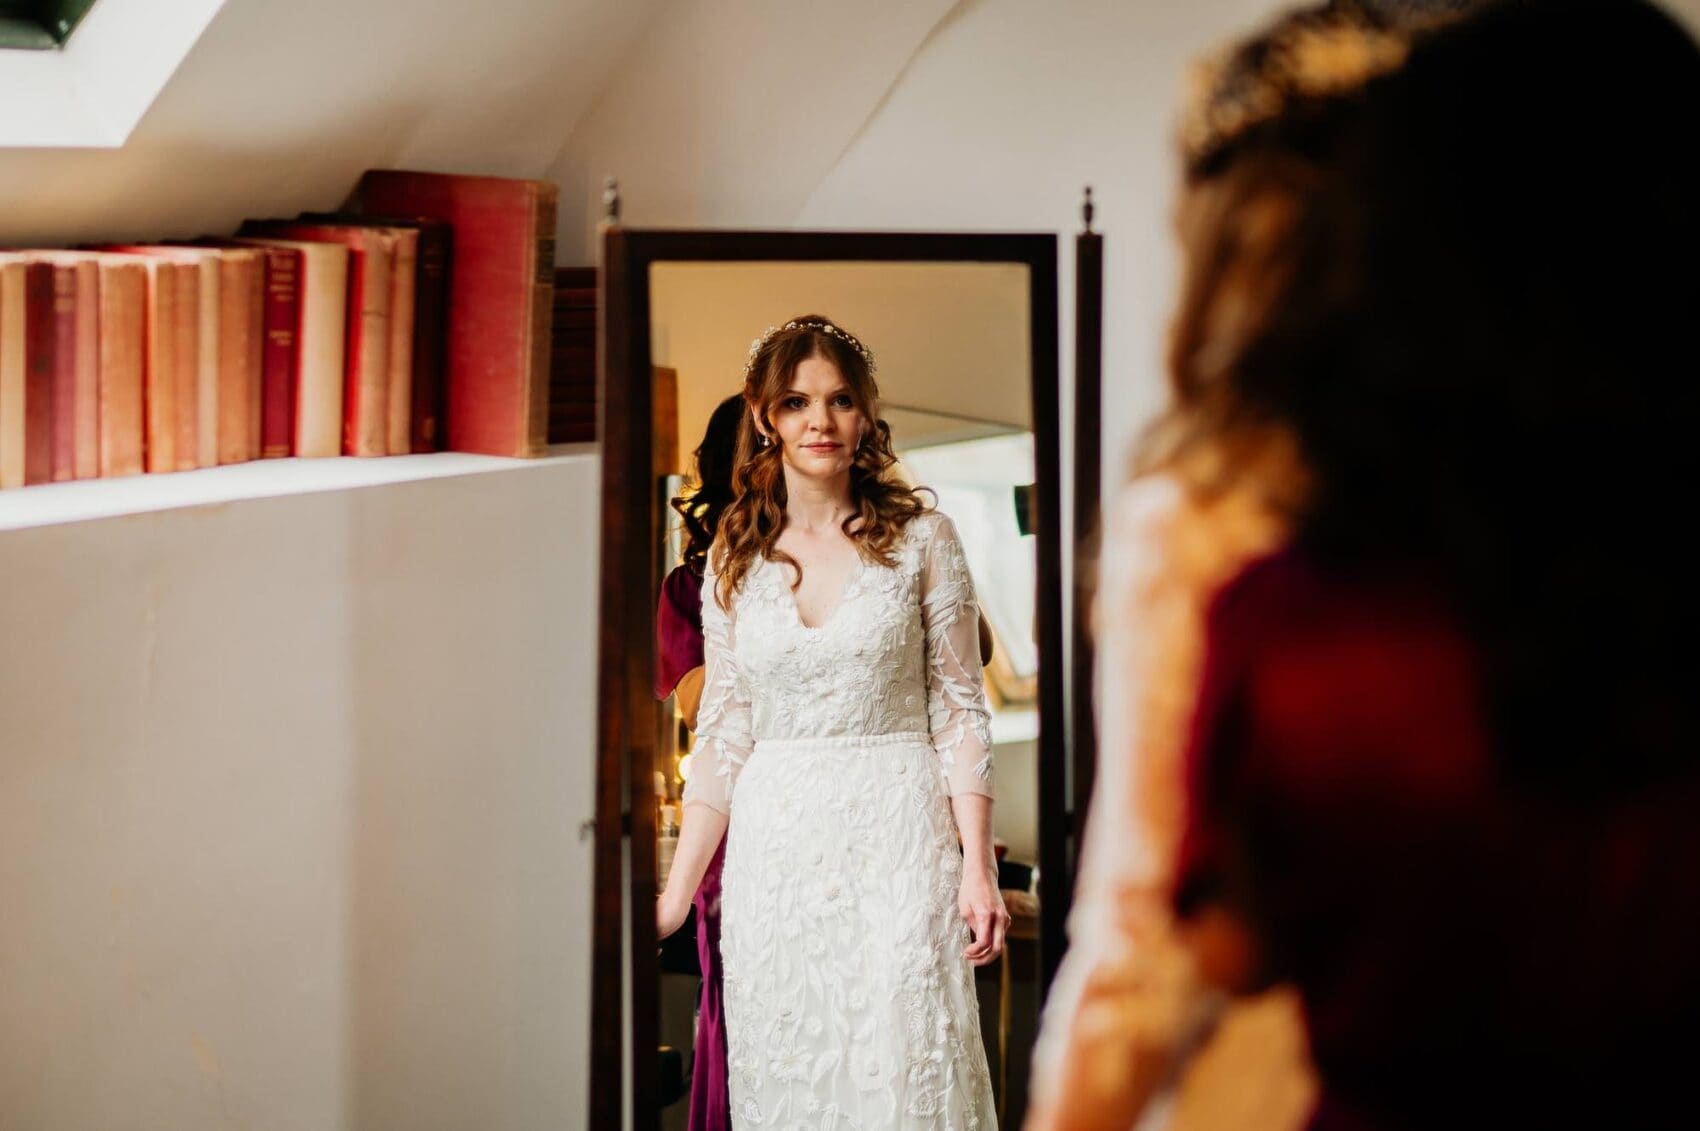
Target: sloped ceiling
pixel 730 114
pixel 281 104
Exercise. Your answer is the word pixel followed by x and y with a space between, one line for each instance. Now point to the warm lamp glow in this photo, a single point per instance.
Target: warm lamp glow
pixel 685 767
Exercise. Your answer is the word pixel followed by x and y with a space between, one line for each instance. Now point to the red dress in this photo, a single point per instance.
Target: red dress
pixel 678 638
pixel 1469 954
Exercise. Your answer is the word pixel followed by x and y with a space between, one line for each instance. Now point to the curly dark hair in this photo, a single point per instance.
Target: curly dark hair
pixel 710 491
pixel 1469 289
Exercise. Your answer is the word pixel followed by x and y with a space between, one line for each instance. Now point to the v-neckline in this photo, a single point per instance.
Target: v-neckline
pixel 855 571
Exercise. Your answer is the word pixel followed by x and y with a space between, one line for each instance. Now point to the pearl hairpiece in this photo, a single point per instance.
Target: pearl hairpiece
pixel 824 327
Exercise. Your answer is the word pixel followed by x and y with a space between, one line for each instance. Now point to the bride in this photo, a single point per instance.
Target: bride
pixel 843 699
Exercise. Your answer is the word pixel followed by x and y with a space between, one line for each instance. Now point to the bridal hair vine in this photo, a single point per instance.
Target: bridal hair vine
pixel 1309 57
pixel 827 328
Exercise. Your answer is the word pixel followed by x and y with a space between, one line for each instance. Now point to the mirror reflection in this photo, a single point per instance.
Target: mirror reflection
pixel 846 680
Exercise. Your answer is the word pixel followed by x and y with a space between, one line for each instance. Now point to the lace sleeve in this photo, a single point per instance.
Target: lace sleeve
pixel 956 686
pixel 723 718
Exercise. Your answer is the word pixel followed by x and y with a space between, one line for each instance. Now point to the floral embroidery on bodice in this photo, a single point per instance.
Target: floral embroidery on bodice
pixel 898 653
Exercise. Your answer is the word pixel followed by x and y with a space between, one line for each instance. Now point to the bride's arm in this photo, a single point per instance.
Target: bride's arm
pixel 699 836
pixel 723 744
pixel 979 901
pixel 961 731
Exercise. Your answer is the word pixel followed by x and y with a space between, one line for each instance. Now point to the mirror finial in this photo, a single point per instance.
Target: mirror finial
pixel 611 201
pixel 1087 208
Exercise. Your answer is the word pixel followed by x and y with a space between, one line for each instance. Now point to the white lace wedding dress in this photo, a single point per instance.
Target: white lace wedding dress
pixel 849 1004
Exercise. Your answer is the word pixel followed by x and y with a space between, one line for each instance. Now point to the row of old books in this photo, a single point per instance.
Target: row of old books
pixel 416 319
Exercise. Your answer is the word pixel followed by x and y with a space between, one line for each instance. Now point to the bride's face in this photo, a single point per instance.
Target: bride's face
pixel 817 421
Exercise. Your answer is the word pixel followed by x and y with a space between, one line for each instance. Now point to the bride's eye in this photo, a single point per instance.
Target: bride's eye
pixel 793 403
pixel 842 400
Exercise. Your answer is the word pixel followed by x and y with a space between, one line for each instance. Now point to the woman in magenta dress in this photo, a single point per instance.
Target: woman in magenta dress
pixel 1443 771
pixel 679 664
pixel 1445 767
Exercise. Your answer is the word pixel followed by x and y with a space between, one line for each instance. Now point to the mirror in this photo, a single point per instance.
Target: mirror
pixel 963 331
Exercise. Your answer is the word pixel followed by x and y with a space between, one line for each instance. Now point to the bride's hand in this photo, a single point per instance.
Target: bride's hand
pixel 982 909
pixel 670 914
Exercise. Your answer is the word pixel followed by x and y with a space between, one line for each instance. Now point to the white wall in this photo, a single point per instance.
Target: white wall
pixel 289 801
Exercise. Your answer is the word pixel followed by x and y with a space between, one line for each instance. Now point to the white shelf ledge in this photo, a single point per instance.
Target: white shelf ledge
pixel 48 504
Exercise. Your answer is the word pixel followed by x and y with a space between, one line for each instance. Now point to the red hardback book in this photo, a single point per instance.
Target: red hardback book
pixel 76 406
pixel 371 254
pixel 189 368
pixel 430 320
pixel 40 345
pixel 280 348
pixel 123 365
pixel 69 340
pixel 187 365
pixel 403 297
pixel 110 340
pixel 501 292
pixel 240 340
pixel 430 336
pixel 282 358
pixel 162 382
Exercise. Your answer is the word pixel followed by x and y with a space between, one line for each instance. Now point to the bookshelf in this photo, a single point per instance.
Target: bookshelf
pixel 48 504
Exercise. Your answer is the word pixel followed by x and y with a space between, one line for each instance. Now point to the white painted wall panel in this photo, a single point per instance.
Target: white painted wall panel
pixel 289 802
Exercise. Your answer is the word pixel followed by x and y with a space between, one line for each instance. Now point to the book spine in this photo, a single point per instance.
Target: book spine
pixel 326 280
pixel 399 394
pixel 254 359
pixel 281 360
pixel 542 321
pixel 232 345
pixel 13 331
pixel 40 340
pixel 65 340
pixel 207 372
pixel 366 404
pixel 159 379
pixel 85 443
pixel 186 366
pixel 123 366
pixel 430 322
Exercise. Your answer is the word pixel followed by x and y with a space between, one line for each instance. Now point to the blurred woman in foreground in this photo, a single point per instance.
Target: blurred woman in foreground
pixel 1435 350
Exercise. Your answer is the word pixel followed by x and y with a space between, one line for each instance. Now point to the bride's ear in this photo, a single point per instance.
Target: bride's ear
pixel 763 437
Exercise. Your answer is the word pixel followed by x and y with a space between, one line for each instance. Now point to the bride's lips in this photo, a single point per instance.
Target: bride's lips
pixel 823 447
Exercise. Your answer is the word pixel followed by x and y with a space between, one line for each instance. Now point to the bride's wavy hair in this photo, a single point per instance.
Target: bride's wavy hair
pixel 751 525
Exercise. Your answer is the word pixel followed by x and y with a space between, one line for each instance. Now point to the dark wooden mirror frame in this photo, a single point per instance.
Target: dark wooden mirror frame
pixel 630 567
